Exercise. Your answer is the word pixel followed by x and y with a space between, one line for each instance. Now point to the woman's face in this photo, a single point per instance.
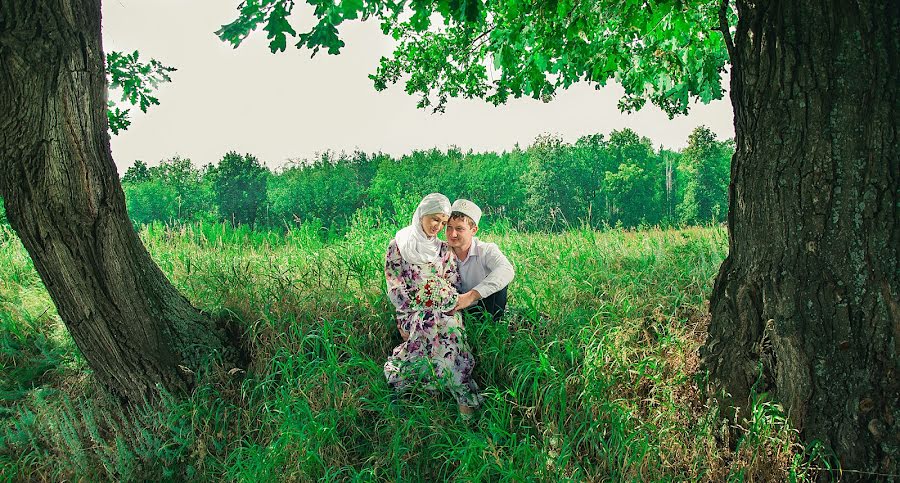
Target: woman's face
pixel 433 224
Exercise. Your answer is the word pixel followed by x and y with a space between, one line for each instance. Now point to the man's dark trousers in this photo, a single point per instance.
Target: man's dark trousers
pixel 493 305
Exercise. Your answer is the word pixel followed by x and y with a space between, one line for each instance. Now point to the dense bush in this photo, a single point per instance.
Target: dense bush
pixel 173 191
pixel 326 191
pixel 239 183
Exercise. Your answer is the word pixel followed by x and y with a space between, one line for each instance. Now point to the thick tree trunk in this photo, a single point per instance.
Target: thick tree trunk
pixel 805 307
pixel 64 199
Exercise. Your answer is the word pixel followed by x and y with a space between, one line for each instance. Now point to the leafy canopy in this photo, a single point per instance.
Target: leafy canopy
pixel 667 52
pixel 137 80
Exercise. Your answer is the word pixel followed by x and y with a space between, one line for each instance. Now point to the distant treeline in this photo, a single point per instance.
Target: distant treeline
pixel 615 180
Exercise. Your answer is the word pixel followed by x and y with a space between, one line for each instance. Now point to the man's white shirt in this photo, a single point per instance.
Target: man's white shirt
pixel 485 269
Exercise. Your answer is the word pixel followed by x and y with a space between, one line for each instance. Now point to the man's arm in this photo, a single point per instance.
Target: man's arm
pixel 466 300
pixel 501 275
pixel 501 271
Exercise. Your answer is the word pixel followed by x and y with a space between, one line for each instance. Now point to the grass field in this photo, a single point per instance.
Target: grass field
pixel 594 375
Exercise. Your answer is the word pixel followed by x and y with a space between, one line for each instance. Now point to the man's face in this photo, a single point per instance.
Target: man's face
pixel 460 232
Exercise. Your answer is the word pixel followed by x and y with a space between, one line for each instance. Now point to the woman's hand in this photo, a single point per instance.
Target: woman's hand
pixel 404 334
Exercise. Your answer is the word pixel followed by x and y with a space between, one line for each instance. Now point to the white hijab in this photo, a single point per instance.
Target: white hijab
pixel 415 246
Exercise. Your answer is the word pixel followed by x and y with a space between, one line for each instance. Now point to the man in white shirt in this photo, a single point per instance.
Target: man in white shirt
pixel 484 272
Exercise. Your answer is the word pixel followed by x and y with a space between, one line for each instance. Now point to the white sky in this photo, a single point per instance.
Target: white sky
pixel 287 105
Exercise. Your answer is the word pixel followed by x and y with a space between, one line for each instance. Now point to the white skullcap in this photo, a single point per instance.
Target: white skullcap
pixel 467 208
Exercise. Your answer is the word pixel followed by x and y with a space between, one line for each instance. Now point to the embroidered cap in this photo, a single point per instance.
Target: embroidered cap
pixel 467 208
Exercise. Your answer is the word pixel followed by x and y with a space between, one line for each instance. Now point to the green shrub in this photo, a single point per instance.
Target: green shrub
pixel 239 183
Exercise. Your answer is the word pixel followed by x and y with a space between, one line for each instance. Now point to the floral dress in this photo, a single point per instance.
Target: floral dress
pixel 436 352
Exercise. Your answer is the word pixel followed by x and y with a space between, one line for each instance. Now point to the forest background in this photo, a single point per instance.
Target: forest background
pixel 617 180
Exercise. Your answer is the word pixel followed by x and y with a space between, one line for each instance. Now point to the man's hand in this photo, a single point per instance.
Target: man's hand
pixel 466 300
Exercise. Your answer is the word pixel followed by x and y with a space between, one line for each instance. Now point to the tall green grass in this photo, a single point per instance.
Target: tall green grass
pixel 593 376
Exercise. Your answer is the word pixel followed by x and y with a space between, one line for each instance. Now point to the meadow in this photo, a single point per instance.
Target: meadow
pixel 594 374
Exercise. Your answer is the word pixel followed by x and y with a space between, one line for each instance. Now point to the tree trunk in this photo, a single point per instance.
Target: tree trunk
pixel 64 200
pixel 805 306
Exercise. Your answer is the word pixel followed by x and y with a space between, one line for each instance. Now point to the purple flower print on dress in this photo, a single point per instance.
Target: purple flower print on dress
pixel 422 295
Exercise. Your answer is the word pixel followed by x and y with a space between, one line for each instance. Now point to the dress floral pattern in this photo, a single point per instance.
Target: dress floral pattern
pixel 436 352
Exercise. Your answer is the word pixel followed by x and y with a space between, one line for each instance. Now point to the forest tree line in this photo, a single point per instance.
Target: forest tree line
pixel 614 180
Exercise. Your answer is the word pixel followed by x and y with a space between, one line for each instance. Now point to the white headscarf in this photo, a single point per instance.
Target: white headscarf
pixel 415 246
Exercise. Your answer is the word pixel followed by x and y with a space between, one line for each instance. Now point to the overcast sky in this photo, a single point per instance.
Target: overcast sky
pixel 288 106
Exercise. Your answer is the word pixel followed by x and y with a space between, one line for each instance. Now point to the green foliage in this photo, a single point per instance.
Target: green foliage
pixel 150 201
pixel 555 183
pixel 172 191
pixel 630 191
pixel 137 81
pixel 494 180
pixel 3 220
pixel 595 157
pixel 670 185
pixel 239 183
pixel 325 192
pixel 398 181
pixel 551 185
pixel 705 167
pixel 661 51
pixel 137 173
pixel 593 376
pixel 399 184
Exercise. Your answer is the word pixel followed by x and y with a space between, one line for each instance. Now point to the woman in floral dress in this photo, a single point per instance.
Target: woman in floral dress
pixel 421 274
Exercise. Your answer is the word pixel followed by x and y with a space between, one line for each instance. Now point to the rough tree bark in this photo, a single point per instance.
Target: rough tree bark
pixel 64 200
pixel 805 307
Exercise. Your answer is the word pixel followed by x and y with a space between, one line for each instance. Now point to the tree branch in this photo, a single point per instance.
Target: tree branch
pixel 723 27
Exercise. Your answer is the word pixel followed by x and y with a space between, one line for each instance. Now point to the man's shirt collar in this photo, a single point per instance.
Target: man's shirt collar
pixel 473 252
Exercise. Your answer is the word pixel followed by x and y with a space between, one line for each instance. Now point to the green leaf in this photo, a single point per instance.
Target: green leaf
pixel 136 80
pixel 350 8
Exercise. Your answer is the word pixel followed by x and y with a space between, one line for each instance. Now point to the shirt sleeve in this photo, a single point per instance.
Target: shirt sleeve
pixel 501 271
